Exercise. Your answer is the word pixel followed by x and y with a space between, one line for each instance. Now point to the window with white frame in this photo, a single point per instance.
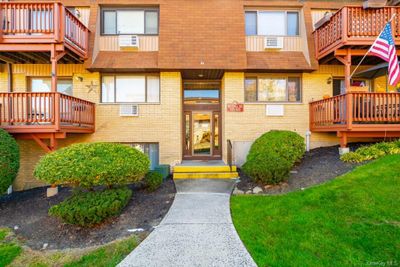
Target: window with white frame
pixel 130 89
pixel 272 89
pixel 272 23
pixel 129 21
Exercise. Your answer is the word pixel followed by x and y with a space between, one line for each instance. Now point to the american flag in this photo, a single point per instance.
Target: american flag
pixel 385 48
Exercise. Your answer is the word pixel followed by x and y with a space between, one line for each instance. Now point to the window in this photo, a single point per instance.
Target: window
pixel 64 85
pixel 251 23
pixel 272 23
pixel 151 150
pixel 201 96
pixel 339 86
pixel 272 89
pixel 130 89
pixel 129 21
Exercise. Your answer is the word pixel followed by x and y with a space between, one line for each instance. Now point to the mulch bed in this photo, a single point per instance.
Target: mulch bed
pixel 317 166
pixel 26 213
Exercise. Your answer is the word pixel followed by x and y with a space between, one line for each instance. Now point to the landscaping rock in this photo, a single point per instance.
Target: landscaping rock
pixel 257 190
pixel 52 191
pixel 16 227
pixel 249 192
pixel 293 172
pixel 45 245
pixel 237 192
pixel 268 186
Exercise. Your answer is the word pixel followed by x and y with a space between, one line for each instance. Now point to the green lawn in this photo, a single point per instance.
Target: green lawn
pixel 351 221
pixel 107 256
pixel 12 254
pixel 8 249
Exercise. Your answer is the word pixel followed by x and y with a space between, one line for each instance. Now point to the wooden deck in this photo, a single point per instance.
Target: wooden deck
pixel 352 27
pixel 29 30
pixel 357 115
pixel 49 115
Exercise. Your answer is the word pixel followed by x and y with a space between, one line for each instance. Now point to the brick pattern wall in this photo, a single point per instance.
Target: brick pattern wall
pixel 156 123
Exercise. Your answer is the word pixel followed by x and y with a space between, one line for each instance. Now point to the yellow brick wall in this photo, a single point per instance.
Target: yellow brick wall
pixel 250 124
pixel 156 123
pixel 162 122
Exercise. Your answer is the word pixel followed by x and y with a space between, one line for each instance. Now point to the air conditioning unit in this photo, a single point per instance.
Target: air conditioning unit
pixel 128 41
pixel 273 42
pixel 129 110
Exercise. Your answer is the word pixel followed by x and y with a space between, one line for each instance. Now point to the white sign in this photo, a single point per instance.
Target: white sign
pixel 274 110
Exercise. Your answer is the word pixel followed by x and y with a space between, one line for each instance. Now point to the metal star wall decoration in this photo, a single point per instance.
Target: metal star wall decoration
pixel 92 87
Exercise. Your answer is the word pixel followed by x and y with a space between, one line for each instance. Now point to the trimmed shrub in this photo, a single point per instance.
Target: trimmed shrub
pixel 352 157
pixel 93 164
pixel 90 208
pixel 153 180
pixel 371 152
pixel 267 169
pixel 9 160
pixel 272 156
pixel 286 144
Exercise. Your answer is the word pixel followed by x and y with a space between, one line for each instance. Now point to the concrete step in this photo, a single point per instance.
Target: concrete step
pixel 203 169
pixel 205 175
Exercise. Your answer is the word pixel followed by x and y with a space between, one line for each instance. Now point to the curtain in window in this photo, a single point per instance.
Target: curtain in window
pixel 130 89
pixel 153 89
pixel 107 90
pixel 271 23
pixel 130 22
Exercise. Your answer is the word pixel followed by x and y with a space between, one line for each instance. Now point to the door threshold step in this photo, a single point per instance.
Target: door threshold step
pixel 204 169
pixel 205 175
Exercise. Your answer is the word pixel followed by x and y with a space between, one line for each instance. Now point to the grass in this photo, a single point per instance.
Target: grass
pixel 108 255
pixel 353 220
pixel 9 250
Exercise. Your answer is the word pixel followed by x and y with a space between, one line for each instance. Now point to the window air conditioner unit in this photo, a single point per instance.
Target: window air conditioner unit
pixel 128 41
pixel 273 42
pixel 129 110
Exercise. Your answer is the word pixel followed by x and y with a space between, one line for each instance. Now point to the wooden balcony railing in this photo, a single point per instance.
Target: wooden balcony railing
pixel 356 111
pixel 353 25
pixel 45 112
pixel 44 22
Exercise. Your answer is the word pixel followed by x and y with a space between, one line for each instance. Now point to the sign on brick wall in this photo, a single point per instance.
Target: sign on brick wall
pixel 235 107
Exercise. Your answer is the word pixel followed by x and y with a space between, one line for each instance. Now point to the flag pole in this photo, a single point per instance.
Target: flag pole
pixel 371 46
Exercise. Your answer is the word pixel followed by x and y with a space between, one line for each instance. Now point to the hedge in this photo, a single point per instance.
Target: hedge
pixel 371 152
pixel 272 156
pixel 9 160
pixel 93 164
pixel 153 180
pixel 90 208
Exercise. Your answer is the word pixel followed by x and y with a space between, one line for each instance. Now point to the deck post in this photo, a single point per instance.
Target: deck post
pixel 53 68
pixel 346 61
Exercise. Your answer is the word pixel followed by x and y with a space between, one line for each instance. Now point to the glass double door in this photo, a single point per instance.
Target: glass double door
pixel 202 134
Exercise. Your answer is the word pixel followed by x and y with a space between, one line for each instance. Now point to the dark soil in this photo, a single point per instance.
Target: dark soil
pixel 26 213
pixel 317 166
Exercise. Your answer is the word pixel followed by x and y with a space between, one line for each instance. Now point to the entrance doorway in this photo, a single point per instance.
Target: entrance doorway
pixel 201 120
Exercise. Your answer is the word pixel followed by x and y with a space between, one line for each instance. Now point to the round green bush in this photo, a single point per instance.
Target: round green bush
pixel 90 208
pixel 9 160
pixel 272 156
pixel 153 180
pixel 93 164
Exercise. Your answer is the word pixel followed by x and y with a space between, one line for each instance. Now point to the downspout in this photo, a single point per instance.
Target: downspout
pixel 9 90
pixel 9 78
pixel 308 135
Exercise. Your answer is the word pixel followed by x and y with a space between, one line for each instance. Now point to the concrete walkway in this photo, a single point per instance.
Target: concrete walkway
pixel 197 230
